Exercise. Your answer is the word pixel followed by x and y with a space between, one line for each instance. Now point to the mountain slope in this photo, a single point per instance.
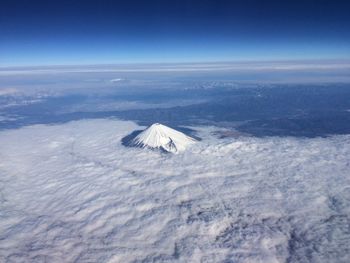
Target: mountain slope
pixel 159 136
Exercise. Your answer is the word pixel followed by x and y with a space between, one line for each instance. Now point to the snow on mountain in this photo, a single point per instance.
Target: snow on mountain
pixel 159 136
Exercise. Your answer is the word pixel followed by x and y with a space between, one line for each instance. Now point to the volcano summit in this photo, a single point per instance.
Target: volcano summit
pixel 158 136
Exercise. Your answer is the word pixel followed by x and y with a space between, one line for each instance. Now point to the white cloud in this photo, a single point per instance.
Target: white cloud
pixel 7 91
pixel 99 105
pixel 239 66
pixel 8 117
pixel 73 193
pixel 116 80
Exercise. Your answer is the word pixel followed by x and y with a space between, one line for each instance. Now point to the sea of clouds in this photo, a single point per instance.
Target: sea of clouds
pixel 73 193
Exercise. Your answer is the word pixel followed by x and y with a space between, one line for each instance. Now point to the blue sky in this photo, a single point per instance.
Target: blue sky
pixel 92 32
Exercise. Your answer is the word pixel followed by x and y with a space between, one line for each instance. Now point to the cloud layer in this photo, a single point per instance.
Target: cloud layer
pixel 73 193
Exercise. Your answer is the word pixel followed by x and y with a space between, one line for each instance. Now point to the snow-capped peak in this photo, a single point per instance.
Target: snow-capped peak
pixel 158 136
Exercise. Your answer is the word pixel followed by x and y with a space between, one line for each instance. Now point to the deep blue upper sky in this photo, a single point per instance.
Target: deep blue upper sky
pixel 36 32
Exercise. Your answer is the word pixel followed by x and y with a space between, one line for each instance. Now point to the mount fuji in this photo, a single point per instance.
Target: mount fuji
pixel 158 136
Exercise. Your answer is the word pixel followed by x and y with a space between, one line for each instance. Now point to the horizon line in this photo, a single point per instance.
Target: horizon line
pixel 195 62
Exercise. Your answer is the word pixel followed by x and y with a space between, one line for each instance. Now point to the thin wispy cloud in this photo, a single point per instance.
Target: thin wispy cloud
pixel 184 67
